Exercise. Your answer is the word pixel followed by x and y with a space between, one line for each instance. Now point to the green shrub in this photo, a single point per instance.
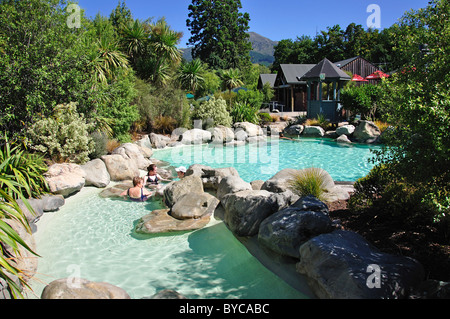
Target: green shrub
pixel 64 136
pixel 213 112
pixel 265 117
pixel 310 181
pixel 100 140
pixel 243 112
pixel 363 100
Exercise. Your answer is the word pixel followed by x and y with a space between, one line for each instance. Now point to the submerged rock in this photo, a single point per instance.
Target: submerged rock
pixel 78 288
pixel 159 221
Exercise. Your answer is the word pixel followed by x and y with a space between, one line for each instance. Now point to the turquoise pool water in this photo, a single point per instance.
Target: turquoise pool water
pixel 93 238
pixel 256 162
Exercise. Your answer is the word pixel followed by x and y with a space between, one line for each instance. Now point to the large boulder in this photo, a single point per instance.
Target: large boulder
pixel 96 173
pixel 343 265
pixel 145 142
pixel 245 210
pixel 221 134
pixel 232 184
pixel 120 168
pixel 177 189
pixel 286 230
pixel 194 205
pixel 159 141
pixel 211 177
pixel 343 139
pixel 366 132
pixel 294 130
pixel 132 152
pixel 250 128
pixel 280 181
pixel 65 179
pixel 196 136
pixel 160 221
pixel 78 288
pixel 313 131
pixel 345 130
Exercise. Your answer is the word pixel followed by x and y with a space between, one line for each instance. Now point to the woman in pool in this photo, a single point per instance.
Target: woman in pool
pixel 152 178
pixel 137 193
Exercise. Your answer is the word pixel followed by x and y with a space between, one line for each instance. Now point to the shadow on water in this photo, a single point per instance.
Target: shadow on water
pixel 219 266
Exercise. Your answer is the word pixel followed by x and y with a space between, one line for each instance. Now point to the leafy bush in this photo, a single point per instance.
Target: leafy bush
pixel 64 136
pixel 364 100
pixel 265 117
pixel 310 181
pixel 213 112
pixel 100 141
pixel 168 101
pixel 243 112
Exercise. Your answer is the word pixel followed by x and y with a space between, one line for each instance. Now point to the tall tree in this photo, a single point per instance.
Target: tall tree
pixel 219 34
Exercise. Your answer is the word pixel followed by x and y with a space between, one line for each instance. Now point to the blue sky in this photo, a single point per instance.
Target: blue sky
pixel 274 19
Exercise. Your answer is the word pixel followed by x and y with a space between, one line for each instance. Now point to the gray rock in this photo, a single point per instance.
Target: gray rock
pixel 231 184
pixel 176 189
pixel 96 173
pixel 196 136
pixel 194 205
pixel 250 128
pixel 366 132
pixel 345 130
pixel 159 221
pixel 313 131
pixel 52 203
pixel 311 203
pixel 65 179
pixel 167 294
pixel 343 265
pixel 221 134
pixel 240 135
pixel 132 152
pixel 211 177
pixel 294 130
pixel 285 231
pixel 280 181
pixel 343 139
pixel 159 141
pixel 245 210
pixel 78 288
pixel 120 168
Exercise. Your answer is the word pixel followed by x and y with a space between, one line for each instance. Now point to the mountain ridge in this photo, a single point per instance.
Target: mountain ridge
pixel 262 49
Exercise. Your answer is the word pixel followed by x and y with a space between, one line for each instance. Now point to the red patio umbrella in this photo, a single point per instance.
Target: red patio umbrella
pixel 358 78
pixel 377 75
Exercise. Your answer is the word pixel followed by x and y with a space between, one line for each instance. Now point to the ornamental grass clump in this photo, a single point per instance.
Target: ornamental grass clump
pixel 309 181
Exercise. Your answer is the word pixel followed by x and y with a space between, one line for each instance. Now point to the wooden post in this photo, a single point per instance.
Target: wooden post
pixel 292 98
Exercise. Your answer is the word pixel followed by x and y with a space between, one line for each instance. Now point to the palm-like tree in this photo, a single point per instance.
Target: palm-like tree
pixel 190 75
pixel 231 79
pixel 163 43
pixel 134 39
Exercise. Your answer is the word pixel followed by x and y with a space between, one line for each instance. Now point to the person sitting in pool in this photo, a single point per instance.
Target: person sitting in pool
pixel 137 193
pixel 152 178
pixel 181 171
